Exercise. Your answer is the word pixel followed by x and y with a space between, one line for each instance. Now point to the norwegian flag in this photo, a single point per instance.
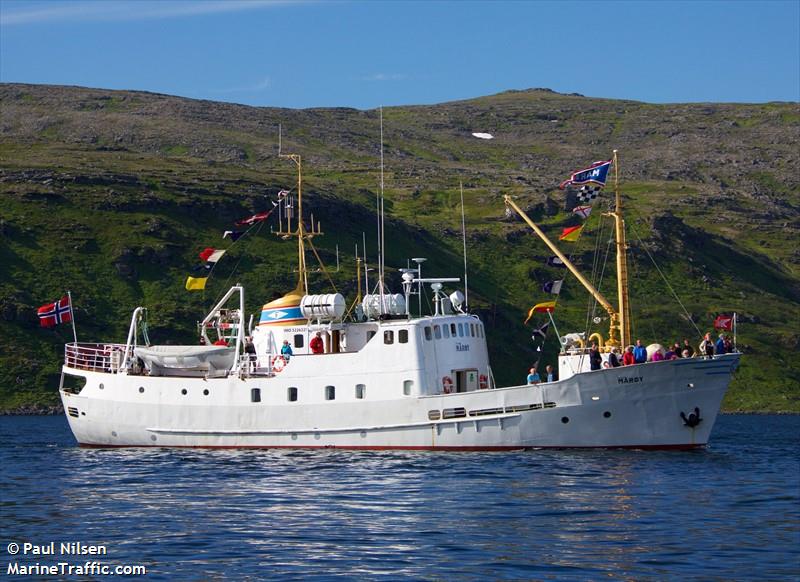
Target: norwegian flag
pixel 52 314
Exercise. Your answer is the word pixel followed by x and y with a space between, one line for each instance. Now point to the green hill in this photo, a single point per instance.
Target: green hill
pixel 113 193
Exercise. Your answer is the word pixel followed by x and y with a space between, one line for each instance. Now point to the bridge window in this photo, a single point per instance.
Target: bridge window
pixel 330 392
pixel 388 337
pixel 360 391
pixel 298 340
pixel 402 336
pixel 437 332
pixel 291 394
pixel 255 395
pixel 407 386
pixel 428 335
pixel 460 330
pixel 446 331
pixel 453 329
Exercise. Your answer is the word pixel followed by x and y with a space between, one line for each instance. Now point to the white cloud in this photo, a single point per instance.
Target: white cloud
pixel 125 10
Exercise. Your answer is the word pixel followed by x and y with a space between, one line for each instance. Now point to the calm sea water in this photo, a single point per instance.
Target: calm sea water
pixel 731 512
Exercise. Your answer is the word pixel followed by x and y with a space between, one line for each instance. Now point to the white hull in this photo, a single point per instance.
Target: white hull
pixel 636 406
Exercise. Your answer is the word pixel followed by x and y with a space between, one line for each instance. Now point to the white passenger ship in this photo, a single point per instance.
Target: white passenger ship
pixel 385 380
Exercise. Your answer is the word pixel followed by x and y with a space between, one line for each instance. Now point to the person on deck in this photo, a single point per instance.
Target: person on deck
pixel 728 345
pixel 657 356
pixel 627 357
pixel 707 346
pixel 613 358
pixel 317 346
pixel 286 351
pixel 595 359
pixel 250 351
pixel 551 375
pixel 719 347
pixel 221 342
pixel 672 354
pixel 533 376
pixel 687 348
pixel 639 352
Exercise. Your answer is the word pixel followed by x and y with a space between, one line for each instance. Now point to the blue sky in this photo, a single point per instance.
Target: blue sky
pixel 365 54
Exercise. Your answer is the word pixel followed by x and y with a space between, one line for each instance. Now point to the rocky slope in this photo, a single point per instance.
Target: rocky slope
pixel 112 193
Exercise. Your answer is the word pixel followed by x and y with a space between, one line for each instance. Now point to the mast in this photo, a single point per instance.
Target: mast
pixel 301 233
pixel 613 315
pixel 622 263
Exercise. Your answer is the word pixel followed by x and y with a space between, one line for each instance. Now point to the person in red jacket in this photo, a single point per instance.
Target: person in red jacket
pixel 316 345
pixel 627 357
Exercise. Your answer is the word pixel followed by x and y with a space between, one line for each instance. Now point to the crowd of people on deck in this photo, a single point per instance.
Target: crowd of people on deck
pixel 638 355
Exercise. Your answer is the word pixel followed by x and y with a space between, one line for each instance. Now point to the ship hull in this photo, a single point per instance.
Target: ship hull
pixel 643 406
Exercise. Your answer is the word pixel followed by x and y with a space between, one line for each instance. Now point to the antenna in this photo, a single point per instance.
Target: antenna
pixel 381 241
pixel 419 261
pixel 464 237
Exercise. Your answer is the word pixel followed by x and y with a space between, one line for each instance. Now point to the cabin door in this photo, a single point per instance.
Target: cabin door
pixel 466 380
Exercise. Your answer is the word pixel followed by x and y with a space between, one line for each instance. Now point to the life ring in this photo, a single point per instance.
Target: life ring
pixel 278 363
pixel 483 382
pixel 447 384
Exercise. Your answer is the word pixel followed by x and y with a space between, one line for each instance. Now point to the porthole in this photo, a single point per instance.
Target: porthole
pixel 184 392
pixel 153 437
pixel 363 434
pixel 294 436
pixel 565 419
pixel 205 392
pixel 606 414
pixel 113 433
pixel 316 436
pixel 141 389
pixel 101 386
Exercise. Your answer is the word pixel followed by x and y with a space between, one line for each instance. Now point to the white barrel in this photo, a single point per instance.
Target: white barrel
pixel 322 307
pixel 393 304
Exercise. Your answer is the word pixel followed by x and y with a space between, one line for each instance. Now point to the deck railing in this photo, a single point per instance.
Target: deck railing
pixel 108 358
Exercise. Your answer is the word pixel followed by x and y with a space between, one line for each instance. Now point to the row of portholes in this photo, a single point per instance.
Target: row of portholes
pixel 184 391
pixel 565 419
pixel 317 436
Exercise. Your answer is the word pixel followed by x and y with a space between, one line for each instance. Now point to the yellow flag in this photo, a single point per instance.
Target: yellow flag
pixel 571 234
pixel 196 283
pixel 547 306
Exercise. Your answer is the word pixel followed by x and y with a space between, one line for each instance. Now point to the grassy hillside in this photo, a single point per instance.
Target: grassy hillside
pixel 112 194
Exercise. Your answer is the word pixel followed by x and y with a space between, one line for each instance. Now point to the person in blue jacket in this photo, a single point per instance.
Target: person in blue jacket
pixel 639 353
pixel 719 346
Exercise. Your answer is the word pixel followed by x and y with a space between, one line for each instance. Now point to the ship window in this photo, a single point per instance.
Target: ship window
pixel 472 329
pixel 388 337
pixel 330 392
pixel 255 395
pixel 460 330
pixel 434 415
pixel 453 329
pixel 402 336
pixel 428 335
pixel 446 331
pixel 360 390
pixel 407 385
pixel 480 330
pixel 437 332
pixel 371 334
pixel 298 340
pixel 291 394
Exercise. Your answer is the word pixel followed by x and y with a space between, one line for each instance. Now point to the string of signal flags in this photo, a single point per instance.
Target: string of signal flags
pixel 211 256
pixel 589 183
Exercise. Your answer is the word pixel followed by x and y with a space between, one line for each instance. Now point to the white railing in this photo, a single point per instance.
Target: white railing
pixel 108 358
